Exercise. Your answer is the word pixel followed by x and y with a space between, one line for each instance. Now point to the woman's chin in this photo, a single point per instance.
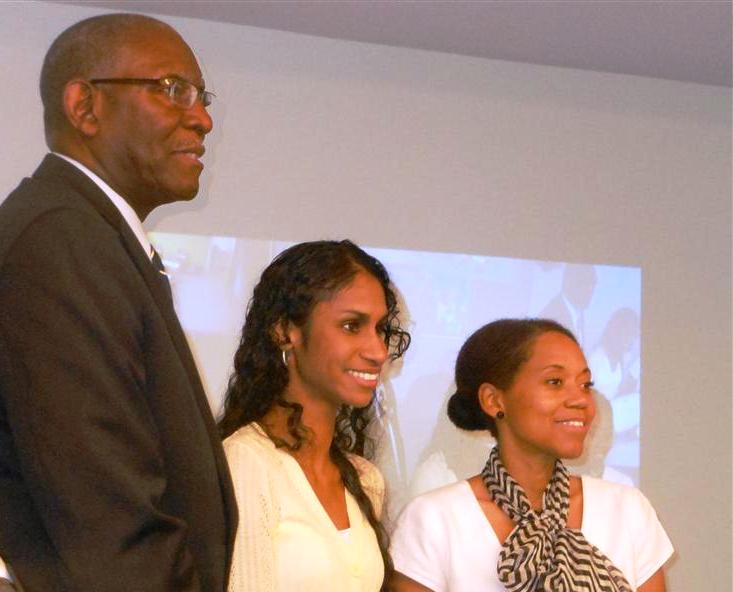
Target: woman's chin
pixel 572 453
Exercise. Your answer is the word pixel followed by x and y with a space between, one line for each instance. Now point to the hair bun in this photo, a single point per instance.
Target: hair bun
pixel 466 413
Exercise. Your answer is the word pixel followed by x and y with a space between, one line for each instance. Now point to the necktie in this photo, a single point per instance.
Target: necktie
pixel 160 268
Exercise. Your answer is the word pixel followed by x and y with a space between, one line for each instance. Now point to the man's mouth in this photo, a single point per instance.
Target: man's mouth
pixel 194 152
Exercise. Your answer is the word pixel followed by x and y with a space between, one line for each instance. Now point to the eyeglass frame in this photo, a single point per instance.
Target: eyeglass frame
pixel 166 83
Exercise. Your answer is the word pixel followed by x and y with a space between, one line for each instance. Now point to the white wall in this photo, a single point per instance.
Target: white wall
pixel 409 149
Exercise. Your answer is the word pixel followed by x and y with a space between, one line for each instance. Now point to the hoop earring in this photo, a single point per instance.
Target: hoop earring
pixel 285 358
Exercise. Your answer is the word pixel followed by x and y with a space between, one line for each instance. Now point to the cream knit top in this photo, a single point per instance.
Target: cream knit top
pixel 286 541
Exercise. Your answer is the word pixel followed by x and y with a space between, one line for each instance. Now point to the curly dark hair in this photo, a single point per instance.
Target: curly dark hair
pixel 494 354
pixel 289 288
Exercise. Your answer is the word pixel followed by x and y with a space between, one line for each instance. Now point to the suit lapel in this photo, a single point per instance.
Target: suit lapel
pixel 162 297
pixel 54 167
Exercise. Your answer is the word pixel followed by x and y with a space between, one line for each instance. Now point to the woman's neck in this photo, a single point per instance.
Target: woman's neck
pixel 532 471
pixel 318 423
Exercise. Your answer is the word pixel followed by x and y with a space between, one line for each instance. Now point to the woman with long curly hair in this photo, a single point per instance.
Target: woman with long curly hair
pixel 319 328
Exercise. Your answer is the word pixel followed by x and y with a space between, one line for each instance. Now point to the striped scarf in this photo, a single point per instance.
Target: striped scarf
pixel 541 554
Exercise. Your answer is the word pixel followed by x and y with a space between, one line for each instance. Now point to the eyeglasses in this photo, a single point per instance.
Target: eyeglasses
pixel 182 93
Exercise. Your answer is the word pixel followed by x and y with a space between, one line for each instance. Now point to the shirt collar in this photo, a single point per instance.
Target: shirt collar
pixel 119 202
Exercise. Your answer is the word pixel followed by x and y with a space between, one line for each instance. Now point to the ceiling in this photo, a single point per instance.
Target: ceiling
pixel 679 40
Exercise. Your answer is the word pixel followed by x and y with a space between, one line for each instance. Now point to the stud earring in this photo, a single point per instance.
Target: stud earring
pixel 499 415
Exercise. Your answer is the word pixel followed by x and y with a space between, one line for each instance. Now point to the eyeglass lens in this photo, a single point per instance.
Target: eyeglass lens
pixel 184 93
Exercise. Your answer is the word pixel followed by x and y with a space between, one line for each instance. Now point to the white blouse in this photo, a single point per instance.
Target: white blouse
pixel 286 541
pixel 444 541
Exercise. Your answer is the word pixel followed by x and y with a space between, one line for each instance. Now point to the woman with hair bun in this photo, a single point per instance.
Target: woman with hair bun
pixel 524 524
pixel 321 324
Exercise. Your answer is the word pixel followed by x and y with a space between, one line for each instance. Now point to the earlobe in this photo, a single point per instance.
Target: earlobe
pixel 78 101
pixel 490 400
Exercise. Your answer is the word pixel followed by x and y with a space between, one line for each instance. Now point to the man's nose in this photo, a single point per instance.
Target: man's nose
pixel 197 117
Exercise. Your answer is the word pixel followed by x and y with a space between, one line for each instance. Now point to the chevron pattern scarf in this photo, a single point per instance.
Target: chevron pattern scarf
pixel 541 554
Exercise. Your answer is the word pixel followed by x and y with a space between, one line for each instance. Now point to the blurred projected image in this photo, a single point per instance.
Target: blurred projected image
pixel 445 298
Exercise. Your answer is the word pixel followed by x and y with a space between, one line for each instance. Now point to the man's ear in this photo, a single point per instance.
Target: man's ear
pixel 79 106
pixel 491 399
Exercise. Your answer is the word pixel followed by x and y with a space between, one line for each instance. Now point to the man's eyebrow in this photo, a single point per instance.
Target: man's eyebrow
pixel 199 83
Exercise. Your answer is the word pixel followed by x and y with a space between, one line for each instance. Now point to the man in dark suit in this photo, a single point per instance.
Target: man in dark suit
pixel 112 476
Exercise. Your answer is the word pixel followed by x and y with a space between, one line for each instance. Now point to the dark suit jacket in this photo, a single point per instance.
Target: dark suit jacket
pixel 112 475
